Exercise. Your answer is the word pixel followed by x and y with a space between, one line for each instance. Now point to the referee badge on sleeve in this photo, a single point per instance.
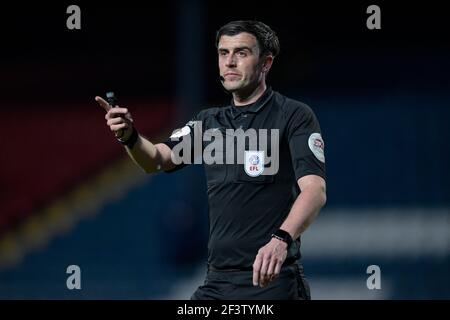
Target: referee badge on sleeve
pixel 254 163
pixel 317 146
pixel 178 133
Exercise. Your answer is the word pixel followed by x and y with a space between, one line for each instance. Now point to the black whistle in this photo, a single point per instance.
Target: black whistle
pixel 111 98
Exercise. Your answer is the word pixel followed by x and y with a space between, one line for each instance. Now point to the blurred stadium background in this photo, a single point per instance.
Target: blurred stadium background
pixel 70 196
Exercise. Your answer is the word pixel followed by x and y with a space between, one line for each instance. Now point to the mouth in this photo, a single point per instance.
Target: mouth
pixel 231 75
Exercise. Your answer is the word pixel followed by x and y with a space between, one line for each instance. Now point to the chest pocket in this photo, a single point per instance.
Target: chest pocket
pixel 240 176
pixel 253 169
pixel 260 164
pixel 255 165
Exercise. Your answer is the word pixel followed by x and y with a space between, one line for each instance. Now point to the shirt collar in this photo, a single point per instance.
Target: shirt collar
pixel 254 107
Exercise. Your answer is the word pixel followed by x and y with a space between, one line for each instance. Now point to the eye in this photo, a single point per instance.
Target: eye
pixel 242 54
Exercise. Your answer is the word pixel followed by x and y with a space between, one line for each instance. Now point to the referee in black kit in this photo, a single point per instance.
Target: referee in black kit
pixel 261 195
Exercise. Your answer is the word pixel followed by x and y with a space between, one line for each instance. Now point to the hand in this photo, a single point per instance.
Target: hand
pixel 268 262
pixel 118 119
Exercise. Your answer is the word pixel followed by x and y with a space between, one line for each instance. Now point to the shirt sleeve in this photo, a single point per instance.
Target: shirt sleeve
pixel 181 142
pixel 306 144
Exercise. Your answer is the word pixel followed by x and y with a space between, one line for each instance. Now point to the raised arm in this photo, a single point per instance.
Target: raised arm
pixel 150 157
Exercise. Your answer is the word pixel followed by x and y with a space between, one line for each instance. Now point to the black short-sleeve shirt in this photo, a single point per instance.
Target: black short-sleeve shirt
pixel 251 184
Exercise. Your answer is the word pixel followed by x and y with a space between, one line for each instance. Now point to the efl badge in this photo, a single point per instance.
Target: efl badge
pixel 254 163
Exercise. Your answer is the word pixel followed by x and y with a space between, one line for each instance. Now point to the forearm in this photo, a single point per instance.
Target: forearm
pixel 304 210
pixel 146 155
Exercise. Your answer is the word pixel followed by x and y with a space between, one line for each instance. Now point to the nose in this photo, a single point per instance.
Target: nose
pixel 230 62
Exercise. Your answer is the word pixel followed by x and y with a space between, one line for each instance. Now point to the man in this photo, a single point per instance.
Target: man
pixel 257 214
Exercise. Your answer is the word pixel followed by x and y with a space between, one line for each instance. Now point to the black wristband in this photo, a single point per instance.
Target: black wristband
pixel 131 140
pixel 283 236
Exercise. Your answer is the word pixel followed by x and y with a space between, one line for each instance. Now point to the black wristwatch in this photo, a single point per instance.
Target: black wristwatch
pixel 131 139
pixel 283 236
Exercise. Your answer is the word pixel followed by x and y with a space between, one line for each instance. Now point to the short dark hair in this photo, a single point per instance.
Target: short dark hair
pixel 267 39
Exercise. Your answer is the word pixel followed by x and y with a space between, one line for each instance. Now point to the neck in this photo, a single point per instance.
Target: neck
pixel 249 96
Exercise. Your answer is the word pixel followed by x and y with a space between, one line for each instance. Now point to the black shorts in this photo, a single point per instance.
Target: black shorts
pixel 238 285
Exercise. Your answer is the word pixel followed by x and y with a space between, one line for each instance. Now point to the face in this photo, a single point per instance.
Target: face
pixel 239 62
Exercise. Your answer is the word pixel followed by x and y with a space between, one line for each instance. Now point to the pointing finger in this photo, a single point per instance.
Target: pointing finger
pixel 105 105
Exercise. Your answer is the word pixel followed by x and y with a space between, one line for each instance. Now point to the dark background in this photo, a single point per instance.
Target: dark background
pixel 119 43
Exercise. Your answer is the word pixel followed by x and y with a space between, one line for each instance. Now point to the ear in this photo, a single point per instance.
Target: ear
pixel 267 63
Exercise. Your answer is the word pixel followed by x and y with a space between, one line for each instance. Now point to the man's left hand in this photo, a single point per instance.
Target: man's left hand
pixel 268 262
